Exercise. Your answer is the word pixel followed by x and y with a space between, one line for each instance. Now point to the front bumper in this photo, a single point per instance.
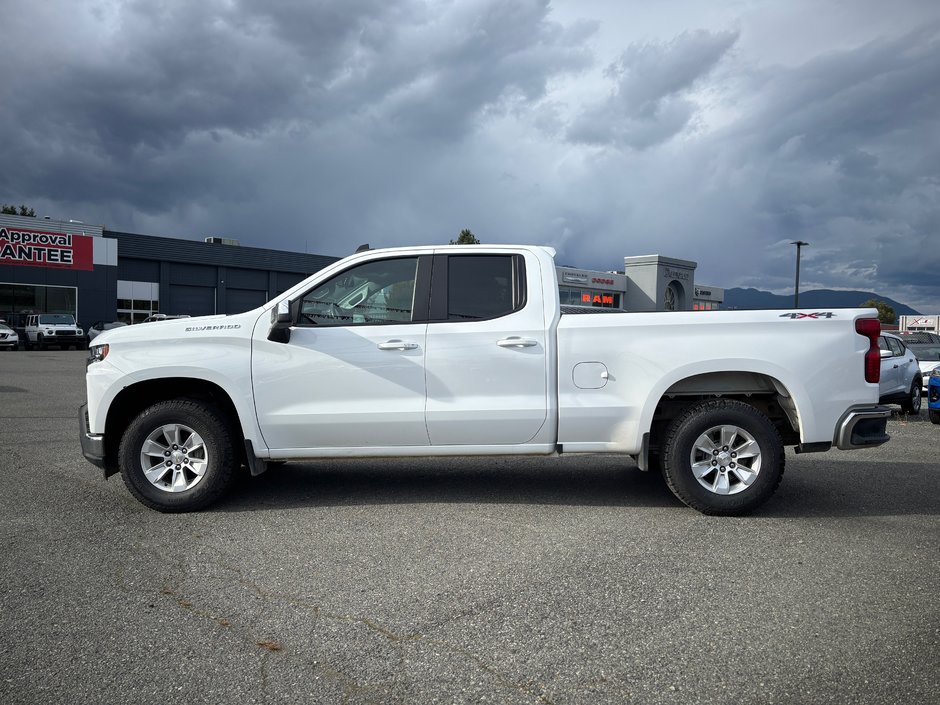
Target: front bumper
pixel 933 394
pixel 92 443
pixel 65 340
pixel 863 427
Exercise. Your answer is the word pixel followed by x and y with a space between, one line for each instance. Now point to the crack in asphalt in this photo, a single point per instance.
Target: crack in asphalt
pixel 348 684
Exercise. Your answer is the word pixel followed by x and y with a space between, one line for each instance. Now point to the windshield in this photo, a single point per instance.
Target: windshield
pixel 52 319
pixel 922 351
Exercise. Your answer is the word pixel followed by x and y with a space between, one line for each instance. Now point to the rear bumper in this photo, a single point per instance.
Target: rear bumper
pixel 863 427
pixel 92 443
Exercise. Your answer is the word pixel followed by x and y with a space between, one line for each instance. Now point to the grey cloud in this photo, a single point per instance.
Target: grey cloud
pixel 172 88
pixel 323 125
pixel 851 159
pixel 649 103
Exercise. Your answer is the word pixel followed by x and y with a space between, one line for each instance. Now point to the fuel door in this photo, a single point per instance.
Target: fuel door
pixel 590 375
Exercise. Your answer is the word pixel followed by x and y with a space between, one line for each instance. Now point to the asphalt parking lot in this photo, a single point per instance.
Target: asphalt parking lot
pixel 561 580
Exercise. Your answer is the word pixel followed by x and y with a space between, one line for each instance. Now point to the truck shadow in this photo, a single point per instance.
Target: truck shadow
pixel 597 480
pixel 584 481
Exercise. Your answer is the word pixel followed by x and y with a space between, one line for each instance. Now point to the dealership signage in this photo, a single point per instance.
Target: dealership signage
pixel 36 248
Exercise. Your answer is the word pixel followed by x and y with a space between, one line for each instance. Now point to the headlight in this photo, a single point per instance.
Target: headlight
pixel 97 353
pixel 935 372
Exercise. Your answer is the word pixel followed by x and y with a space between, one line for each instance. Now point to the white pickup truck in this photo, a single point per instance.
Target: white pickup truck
pixel 465 350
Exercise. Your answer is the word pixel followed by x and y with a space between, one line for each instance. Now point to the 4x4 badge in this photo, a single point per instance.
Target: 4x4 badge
pixel 818 314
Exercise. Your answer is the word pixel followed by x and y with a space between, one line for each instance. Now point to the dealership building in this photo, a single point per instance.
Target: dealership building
pixel 95 274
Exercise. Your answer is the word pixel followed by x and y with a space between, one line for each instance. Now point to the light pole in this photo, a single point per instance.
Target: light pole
pixel 796 289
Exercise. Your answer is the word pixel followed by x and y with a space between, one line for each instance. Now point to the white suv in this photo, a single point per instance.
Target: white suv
pixel 44 329
pixel 900 375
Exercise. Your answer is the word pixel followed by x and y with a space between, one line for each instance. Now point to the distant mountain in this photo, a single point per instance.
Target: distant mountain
pixel 814 298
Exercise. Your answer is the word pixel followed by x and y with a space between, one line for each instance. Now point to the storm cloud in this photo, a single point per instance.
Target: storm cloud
pixel 603 130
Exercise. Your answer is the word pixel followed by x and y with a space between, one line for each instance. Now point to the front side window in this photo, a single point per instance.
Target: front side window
pixel 377 292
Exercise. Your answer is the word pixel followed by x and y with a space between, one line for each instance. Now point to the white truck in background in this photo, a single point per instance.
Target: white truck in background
pixel 465 350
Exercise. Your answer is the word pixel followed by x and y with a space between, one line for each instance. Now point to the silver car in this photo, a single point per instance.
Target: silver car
pixel 928 357
pixel 901 380
pixel 100 327
pixel 9 340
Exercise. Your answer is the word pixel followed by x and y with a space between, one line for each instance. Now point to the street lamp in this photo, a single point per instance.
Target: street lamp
pixel 796 289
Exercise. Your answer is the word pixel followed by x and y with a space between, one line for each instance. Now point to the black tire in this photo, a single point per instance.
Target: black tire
pixel 735 487
pixel 934 416
pixel 40 342
pixel 204 427
pixel 912 404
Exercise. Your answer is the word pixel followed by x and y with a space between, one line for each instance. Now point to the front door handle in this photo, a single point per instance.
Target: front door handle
pixel 514 341
pixel 397 345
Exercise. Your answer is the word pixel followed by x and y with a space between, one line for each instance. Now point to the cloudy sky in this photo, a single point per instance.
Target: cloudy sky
pixel 714 131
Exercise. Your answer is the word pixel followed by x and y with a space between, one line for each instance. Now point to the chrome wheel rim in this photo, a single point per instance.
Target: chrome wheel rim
pixel 174 458
pixel 725 459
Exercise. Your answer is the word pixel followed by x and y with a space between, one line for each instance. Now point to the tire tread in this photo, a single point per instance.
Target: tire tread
pixel 205 493
pixel 674 466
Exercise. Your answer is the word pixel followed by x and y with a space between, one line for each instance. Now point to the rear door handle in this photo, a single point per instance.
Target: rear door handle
pixel 397 345
pixel 514 341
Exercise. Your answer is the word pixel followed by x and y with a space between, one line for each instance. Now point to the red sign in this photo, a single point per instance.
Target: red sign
pixel 37 248
pixel 604 299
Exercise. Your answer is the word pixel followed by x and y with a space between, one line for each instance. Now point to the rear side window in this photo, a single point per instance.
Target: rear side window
pixel 892 344
pixel 483 286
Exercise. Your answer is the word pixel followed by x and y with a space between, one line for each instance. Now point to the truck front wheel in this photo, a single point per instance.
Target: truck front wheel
pixel 178 455
pixel 723 457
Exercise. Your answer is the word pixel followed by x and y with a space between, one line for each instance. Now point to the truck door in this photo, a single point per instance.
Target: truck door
pixel 486 360
pixel 352 373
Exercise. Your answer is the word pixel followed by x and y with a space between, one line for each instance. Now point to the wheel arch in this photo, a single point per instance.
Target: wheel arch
pixel 764 391
pixel 133 399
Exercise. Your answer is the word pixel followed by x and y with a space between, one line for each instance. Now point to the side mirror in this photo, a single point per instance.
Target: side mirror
pixel 885 353
pixel 281 321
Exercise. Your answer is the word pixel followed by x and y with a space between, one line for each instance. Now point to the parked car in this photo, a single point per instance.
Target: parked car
pixel 933 396
pixel 918 336
pixel 928 357
pixel 9 340
pixel 101 326
pixel 60 329
pixel 901 380
pixel 465 350
pixel 16 321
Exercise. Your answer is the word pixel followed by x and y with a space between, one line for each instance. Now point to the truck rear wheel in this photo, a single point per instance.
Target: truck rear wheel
pixel 178 455
pixel 723 457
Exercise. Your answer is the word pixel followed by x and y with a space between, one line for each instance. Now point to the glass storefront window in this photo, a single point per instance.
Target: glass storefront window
pixel 589 297
pixel 137 300
pixel 34 298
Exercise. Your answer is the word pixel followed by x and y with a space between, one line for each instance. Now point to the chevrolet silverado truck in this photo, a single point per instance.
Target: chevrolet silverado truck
pixel 466 351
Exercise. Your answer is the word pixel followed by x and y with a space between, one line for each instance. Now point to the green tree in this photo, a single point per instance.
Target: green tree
pixel 886 314
pixel 466 237
pixel 11 210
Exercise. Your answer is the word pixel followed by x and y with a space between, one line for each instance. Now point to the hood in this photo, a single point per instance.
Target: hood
pixel 175 328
